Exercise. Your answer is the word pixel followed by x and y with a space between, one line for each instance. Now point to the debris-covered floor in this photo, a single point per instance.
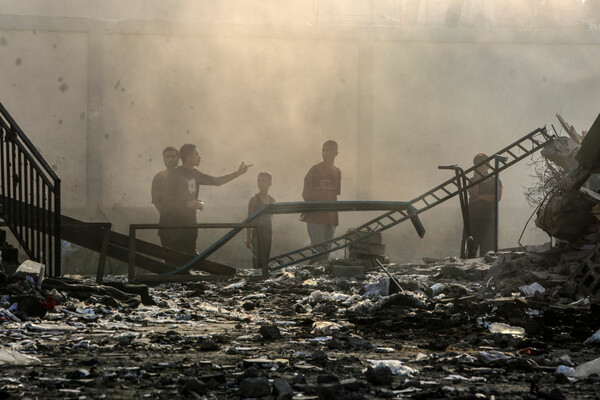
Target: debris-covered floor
pixel 511 325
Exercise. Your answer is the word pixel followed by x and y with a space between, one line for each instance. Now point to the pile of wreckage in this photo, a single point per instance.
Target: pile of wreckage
pixel 510 324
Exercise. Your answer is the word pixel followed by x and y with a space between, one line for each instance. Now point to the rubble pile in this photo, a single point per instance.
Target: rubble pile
pixel 509 325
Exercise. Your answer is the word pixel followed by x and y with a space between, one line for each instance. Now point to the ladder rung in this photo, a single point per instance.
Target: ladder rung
pixel 522 148
pixel 446 190
pixel 511 153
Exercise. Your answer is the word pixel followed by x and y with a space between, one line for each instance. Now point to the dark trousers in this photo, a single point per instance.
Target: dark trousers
pixel 182 240
pixel 319 233
pixel 261 245
pixel 482 230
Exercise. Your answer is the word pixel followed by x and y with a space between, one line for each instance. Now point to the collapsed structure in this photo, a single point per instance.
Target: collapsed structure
pixel 566 212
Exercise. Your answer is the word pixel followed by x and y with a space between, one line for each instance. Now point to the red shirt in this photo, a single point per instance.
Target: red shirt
pixel 322 183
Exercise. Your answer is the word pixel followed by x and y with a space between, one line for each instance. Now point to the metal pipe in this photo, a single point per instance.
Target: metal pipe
pixel 390 276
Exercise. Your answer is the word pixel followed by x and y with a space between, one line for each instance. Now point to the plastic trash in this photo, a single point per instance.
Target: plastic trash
pixel 498 327
pixel 355 298
pixel 436 289
pixel 380 288
pixel 564 370
pixel 530 290
pixel 50 327
pixel 364 306
pixel 379 349
pixel 235 285
pixel 319 297
pixel 325 328
pixel 493 357
pixel 310 283
pixel 6 314
pixel 586 369
pixel 581 304
pixel 320 339
pixel 13 357
pixel 594 339
pixel 396 366
pixel 340 297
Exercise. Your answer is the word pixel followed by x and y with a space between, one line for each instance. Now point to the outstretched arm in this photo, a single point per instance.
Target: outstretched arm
pixel 221 180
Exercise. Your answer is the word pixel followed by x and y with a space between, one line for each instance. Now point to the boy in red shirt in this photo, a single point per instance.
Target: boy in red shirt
pixel 322 183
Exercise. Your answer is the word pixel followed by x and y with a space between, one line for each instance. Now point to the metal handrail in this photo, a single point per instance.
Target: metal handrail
pixel 29 195
pixel 300 207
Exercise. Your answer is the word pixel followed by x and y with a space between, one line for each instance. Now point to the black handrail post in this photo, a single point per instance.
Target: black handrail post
pixel 131 266
pixel 463 197
pixel 497 160
pixel 57 229
pixel 30 195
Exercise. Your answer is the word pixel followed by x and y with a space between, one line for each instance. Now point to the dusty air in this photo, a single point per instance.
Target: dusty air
pixel 324 199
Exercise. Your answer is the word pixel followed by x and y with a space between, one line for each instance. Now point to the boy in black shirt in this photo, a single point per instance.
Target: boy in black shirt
pixel 182 202
pixel 259 239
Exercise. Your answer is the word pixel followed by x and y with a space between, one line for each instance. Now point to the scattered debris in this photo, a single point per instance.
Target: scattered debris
pixel 483 327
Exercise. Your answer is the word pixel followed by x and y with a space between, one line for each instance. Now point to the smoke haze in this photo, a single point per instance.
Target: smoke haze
pixel 403 86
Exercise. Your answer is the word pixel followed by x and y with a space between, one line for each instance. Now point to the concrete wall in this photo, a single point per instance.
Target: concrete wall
pixel 101 100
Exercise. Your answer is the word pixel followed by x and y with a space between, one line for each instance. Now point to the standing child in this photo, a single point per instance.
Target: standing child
pixel 261 247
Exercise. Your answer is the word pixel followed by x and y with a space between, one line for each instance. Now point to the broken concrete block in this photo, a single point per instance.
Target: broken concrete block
pixel 380 375
pixel 254 387
pixel 376 238
pixel 193 385
pixel 282 390
pixel 270 332
pixel 368 249
pixel 33 269
pixel 329 390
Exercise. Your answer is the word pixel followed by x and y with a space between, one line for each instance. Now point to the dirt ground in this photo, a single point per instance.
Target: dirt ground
pixel 305 334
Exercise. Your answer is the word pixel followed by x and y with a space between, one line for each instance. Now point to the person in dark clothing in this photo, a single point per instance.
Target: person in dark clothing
pixel 159 185
pixel 481 208
pixel 182 201
pixel 259 239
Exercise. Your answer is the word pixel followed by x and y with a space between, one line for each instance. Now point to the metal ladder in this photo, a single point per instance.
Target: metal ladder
pixel 402 207
pixel 514 153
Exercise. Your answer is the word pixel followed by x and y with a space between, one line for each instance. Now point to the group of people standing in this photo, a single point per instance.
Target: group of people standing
pixel 175 193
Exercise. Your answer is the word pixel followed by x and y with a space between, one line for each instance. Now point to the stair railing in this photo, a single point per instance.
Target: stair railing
pixel 29 195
